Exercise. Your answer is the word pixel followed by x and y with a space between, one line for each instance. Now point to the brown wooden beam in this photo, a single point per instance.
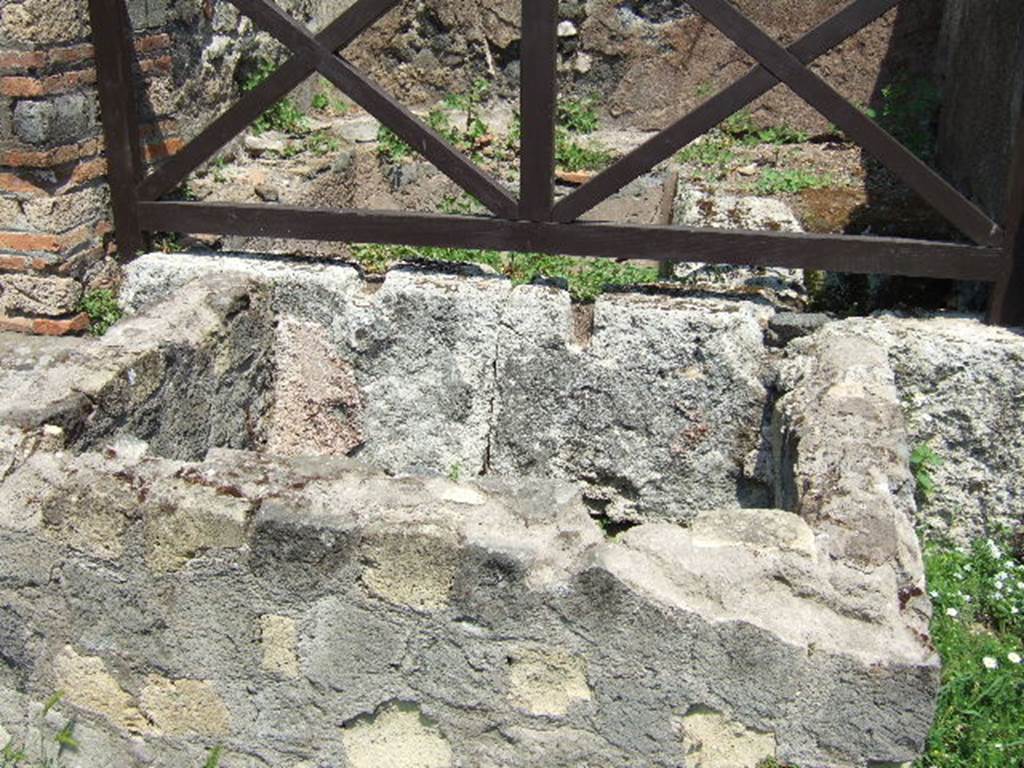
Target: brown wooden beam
pixel 113 43
pixel 382 106
pixel 866 255
pixel 538 98
pixel 960 211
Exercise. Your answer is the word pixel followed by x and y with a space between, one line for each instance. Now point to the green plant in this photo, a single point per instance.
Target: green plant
pixel 459 119
pixel 321 143
pixel 742 127
pixel 570 155
pixel 102 308
pixel 774 181
pixel 213 759
pixel 455 472
pixel 284 116
pixel 390 146
pixel 320 102
pixel 978 628
pixel 714 154
pixel 923 462
pixel 910 111
pixel 217 166
pixel 578 115
pixel 14 755
pixel 168 242
pixel 461 205
pixel 586 278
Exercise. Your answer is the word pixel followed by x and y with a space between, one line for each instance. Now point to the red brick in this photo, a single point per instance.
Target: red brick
pixel 161 64
pixel 28 87
pixel 152 43
pixel 72 55
pixel 11 182
pixel 88 170
pixel 45 327
pixel 11 263
pixel 50 157
pixel 29 241
pixel 47 242
pixel 161 149
pixel 22 59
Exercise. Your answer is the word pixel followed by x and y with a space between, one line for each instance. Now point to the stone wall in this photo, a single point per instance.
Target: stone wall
pixel 54 203
pixel 190 580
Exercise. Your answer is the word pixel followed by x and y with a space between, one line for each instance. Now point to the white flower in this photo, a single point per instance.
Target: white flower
pixel 1013 610
pixel 990 663
pixel 997 553
pixel 1020 585
pixel 1014 658
pixel 952 612
pixel 968 598
pixel 934 595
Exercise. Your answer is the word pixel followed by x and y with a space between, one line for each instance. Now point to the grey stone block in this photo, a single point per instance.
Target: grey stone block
pixel 488 621
pixel 36 295
pixel 65 118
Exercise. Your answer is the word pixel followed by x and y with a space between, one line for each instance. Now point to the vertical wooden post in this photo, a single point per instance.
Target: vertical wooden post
pixel 1008 294
pixel 538 98
pixel 113 43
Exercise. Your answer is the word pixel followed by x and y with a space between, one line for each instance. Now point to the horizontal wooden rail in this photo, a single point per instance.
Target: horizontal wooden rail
pixel 866 255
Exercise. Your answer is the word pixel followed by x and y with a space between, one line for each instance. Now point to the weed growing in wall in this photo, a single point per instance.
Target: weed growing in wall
pixel 102 308
pixel 586 278
pixel 284 116
pixel 923 462
pixel 53 744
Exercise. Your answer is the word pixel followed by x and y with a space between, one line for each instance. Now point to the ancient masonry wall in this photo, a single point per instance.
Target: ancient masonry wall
pixel 53 199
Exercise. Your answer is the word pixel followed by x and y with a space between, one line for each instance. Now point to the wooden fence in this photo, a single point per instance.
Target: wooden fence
pixel 534 221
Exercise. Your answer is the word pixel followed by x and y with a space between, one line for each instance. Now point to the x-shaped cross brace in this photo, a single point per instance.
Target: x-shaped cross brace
pixel 790 67
pixel 778 64
pixel 317 54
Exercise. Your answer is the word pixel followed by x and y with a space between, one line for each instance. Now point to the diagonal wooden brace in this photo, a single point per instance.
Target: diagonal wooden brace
pixel 336 35
pixel 715 110
pixel 858 126
pixel 389 112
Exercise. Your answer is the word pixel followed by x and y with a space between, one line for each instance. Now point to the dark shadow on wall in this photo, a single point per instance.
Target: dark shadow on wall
pixel 907 102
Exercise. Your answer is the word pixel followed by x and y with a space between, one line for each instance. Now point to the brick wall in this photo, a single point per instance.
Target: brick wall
pixel 54 217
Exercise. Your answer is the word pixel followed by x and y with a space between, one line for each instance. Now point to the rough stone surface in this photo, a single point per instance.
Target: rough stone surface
pixel 279 636
pixel 45 21
pixel 398 736
pixel 460 372
pixel 960 385
pixel 699 208
pixel 89 685
pixel 306 610
pixel 711 740
pixel 546 681
pixel 33 295
pixel 184 707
